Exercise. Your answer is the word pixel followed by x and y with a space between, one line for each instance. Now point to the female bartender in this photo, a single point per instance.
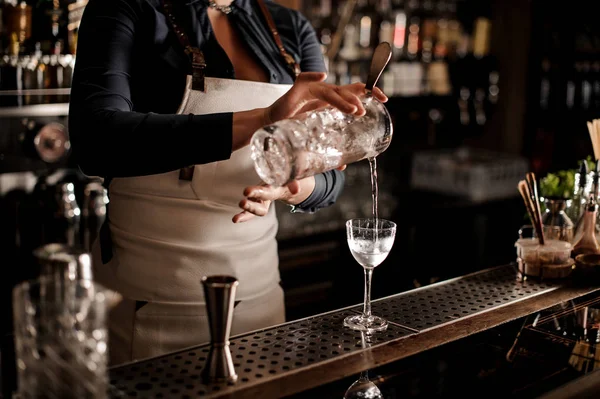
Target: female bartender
pixel 165 98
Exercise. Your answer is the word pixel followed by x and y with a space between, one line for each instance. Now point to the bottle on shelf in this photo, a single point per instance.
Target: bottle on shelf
pixel 74 11
pixel 433 52
pixel 50 24
pixel 385 31
pixel 585 240
pixel 30 81
pixel 400 29
pixel 413 39
pixel 11 73
pixel 17 20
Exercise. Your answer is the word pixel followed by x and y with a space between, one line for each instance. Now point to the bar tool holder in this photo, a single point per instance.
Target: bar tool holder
pixel 219 294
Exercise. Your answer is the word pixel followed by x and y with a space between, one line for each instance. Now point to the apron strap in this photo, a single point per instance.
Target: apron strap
pixel 198 66
pixel 196 56
pixel 289 60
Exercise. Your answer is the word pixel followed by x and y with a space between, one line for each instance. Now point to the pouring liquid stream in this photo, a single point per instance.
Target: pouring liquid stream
pixel 374 196
pixel 374 188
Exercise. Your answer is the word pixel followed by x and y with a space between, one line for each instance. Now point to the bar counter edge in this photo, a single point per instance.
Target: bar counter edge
pixel 411 343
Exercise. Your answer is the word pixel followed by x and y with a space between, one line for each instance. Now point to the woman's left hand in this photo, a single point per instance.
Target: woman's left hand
pixel 258 199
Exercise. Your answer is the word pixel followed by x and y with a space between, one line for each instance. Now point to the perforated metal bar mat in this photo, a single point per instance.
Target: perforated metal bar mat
pixel 257 357
pixel 447 301
pixel 275 351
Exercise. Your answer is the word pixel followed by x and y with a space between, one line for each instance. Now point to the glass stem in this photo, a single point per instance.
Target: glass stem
pixel 368 277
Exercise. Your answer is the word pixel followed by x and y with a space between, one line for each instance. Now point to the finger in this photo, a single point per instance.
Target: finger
pixel 262 193
pixel 343 167
pixel 353 99
pixel 359 89
pixel 312 105
pixel 306 77
pixel 242 217
pixel 330 94
pixel 378 94
pixel 259 208
pixel 293 187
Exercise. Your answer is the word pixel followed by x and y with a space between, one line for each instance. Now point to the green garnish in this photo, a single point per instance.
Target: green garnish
pixel 561 184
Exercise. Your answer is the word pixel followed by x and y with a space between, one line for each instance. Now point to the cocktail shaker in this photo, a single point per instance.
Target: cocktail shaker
pixel 95 198
pixel 68 213
pixel 219 294
pixel 63 262
pixel 324 139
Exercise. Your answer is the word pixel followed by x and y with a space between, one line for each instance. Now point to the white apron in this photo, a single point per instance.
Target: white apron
pixel 167 233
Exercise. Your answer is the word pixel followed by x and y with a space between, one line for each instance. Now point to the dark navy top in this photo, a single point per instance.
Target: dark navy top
pixel 130 75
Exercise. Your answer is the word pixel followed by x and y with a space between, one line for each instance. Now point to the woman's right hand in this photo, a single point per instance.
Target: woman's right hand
pixel 310 92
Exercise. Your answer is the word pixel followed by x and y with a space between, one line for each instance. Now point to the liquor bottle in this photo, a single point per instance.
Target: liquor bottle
pixel 49 22
pixel 386 22
pixel 75 12
pixel 67 62
pixel 399 22
pixel 438 73
pixel 40 72
pixel 545 85
pixel 580 192
pixel 366 17
pixel 585 240
pixel 3 33
pixel 586 86
pixel 30 81
pixel 350 50
pixel 571 90
pixel 428 31
pixel 407 68
pixel 17 20
pixel 54 72
pixel 413 41
pixel 440 50
pixel 321 18
pixel 392 79
pixel 11 80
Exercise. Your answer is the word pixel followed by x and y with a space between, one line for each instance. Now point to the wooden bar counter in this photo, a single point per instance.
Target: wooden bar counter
pixel 300 355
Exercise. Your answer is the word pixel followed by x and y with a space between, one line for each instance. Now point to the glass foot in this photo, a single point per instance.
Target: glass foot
pixel 362 323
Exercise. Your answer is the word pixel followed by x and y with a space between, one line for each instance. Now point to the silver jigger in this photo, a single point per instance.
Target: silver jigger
pixel 219 294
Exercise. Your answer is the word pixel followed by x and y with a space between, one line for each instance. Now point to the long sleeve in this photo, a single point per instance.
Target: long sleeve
pixel 310 49
pixel 328 187
pixel 110 138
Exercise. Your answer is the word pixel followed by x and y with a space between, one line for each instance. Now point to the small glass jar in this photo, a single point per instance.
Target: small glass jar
pixel 318 141
pixel 556 222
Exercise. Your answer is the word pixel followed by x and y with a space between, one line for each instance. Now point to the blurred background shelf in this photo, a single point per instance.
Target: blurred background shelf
pixel 35 111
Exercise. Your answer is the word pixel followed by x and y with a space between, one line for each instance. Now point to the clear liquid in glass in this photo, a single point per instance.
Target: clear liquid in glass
pixel 371 253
